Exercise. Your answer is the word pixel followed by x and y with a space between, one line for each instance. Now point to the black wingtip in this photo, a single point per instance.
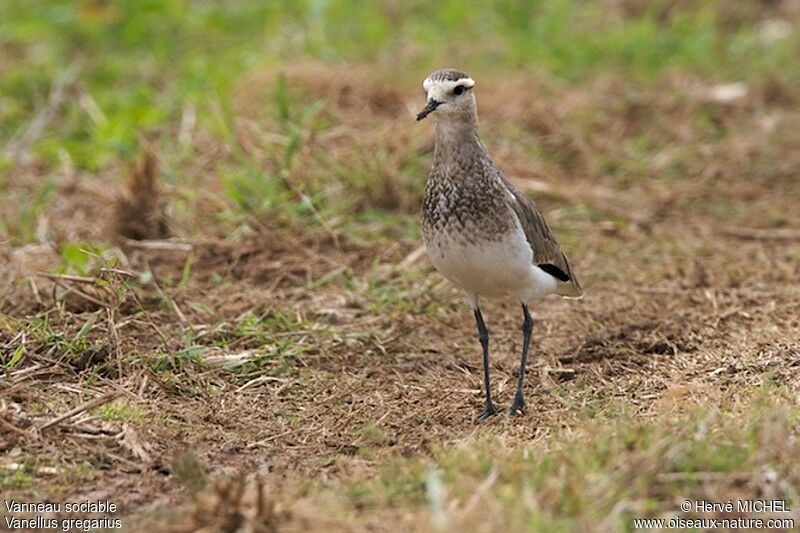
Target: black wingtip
pixel 554 271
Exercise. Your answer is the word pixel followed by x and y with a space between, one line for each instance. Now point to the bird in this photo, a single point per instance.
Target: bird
pixel 481 233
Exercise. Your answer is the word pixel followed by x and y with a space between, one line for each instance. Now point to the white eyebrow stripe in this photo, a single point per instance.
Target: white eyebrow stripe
pixel 443 87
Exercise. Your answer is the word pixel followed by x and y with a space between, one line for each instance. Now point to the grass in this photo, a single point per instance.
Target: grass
pixel 614 462
pixel 16 479
pixel 613 467
pixel 122 412
pixel 273 145
pixel 146 68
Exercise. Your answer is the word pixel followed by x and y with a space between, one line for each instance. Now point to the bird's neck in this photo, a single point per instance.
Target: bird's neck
pixel 457 140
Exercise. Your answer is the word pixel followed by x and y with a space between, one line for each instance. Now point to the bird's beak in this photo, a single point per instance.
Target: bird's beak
pixel 428 109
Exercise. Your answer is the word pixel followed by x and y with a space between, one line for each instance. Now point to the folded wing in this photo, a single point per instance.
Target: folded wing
pixel 547 254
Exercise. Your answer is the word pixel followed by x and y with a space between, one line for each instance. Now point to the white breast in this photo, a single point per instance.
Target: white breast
pixel 491 268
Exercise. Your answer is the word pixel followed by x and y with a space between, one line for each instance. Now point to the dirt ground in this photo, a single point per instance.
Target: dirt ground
pixel 310 358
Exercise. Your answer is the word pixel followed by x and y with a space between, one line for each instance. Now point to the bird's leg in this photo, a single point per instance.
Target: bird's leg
pixel 483 336
pixel 527 329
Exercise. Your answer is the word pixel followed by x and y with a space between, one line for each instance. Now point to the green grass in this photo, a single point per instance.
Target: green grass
pixel 42 331
pixel 273 339
pixel 616 467
pixel 16 479
pixel 137 66
pixel 122 411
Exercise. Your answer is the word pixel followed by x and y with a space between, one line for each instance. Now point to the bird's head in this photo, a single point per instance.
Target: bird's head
pixel 449 93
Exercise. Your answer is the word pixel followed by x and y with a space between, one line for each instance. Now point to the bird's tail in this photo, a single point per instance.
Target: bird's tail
pixel 570 289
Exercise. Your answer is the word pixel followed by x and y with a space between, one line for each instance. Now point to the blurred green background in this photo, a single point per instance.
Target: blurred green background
pixel 131 68
pixel 142 60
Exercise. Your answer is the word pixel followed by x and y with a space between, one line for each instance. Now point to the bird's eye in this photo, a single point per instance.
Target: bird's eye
pixel 458 89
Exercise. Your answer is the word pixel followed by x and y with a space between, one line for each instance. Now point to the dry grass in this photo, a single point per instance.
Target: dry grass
pixel 139 213
pixel 343 372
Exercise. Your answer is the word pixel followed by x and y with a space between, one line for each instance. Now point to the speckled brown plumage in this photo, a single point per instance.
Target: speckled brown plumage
pixel 461 201
pixel 468 200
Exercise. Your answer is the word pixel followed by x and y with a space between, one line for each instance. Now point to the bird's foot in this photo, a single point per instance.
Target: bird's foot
pixel 487 412
pixel 517 405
